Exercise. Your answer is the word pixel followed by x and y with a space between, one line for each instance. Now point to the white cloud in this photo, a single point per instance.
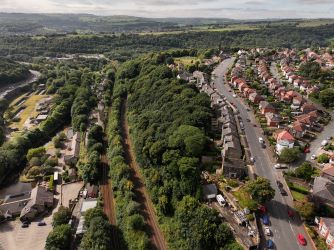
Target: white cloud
pixel 242 9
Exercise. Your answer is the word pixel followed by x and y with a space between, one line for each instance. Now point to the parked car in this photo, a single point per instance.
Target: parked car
pixel 234 95
pixel 41 223
pixel 221 200
pixel 277 166
pixel 279 184
pixel 324 143
pixel 265 219
pixel 291 213
pixel 270 244
pixel 254 125
pixel 248 120
pixel 262 209
pixel 313 157
pixel 329 138
pixel 267 231
pixel 25 225
pixel 301 239
pixel 252 159
pixel 283 192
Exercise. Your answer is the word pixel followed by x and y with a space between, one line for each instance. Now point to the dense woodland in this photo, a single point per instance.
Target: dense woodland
pixel 127 46
pixel 169 123
pixel 11 72
pixel 70 82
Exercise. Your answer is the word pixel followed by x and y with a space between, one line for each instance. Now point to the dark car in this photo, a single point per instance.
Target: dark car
pixel 283 192
pixel 41 223
pixel 265 219
pixel 25 225
pixel 270 244
pixel 248 120
pixel 279 184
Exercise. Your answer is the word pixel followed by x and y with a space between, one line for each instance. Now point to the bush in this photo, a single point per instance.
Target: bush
pixel 51 183
pixel 323 158
pixel 61 217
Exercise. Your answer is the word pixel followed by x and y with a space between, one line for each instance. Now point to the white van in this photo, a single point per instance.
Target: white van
pixel 221 200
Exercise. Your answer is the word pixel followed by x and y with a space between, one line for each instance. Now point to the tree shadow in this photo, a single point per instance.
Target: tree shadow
pixel 279 211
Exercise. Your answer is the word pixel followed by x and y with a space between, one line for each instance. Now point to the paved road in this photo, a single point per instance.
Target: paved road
pixel 284 230
pixel 10 87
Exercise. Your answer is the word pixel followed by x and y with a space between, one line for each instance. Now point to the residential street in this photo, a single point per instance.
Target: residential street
pixel 284 230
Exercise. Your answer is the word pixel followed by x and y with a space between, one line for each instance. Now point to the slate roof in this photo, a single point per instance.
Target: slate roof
pixel 323 188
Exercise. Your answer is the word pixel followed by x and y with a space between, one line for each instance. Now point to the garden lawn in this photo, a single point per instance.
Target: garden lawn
pixel 298 196
pixel 244 199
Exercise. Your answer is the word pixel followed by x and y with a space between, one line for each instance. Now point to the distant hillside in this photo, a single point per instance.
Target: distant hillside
pixel 11 72
pixel 45 24
pixel 32 24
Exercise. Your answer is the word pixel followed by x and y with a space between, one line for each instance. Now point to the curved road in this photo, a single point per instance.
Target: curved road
pixel 284 230
pixel 10 87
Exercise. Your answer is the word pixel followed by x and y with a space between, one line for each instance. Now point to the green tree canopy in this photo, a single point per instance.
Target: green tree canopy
pixel 61 217
pixel 260 190
pixel 289 155
pixel 59 238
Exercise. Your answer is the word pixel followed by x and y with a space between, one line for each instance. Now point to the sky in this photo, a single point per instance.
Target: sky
pixel 237 9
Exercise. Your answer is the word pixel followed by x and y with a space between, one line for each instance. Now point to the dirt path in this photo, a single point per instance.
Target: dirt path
pixel 142 196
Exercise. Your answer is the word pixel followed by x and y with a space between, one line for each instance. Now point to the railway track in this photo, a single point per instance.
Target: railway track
pixel 142 196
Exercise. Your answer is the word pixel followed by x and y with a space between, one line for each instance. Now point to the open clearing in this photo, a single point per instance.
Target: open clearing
pixel 29 110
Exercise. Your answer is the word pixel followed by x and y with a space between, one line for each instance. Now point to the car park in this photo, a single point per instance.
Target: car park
pixel 301 239
pixel 267 231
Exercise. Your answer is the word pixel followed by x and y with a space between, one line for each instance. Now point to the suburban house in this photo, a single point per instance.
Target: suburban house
pixel 255 98
pixel 73 149
pixel 326 230
pixel 307 108
pixel 328 171
pixel 284 140
pixel 297 129
pixel 273 119
pixel 266 107
pixel 323 191
pixel 41 199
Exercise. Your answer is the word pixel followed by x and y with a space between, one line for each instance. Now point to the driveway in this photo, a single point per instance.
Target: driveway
pixel 284 230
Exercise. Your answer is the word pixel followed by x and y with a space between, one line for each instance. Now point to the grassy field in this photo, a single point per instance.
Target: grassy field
pixel 29 110
pixel 187 60
pixel 315 23
pixel 231 27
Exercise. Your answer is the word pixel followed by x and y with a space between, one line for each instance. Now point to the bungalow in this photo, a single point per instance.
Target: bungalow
pixel 326 230
pixel 297 100
pixel 323 191
pixel 273 120
pixel 297 129
pixel 40 200
pixel 73 150
pixel 255 98
pixel 284 140
pixel 266 107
